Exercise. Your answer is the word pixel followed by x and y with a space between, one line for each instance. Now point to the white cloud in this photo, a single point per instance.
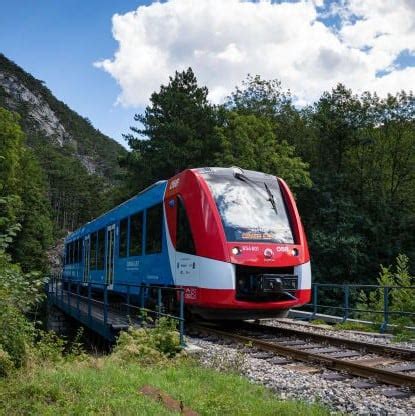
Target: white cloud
pixel 223 40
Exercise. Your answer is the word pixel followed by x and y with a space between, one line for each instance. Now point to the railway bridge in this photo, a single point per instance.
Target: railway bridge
pixel 92 305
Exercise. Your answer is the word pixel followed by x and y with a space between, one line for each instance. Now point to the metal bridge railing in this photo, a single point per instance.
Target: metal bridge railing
pixel 93 307
pixel 342 300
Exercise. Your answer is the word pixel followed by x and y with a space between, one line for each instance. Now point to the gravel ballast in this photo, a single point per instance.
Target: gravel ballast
pixel 300 381
pixel 376 338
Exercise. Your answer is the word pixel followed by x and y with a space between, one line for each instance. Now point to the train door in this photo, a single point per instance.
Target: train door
pixel 87 253
pixel 110 255
pixel 187 263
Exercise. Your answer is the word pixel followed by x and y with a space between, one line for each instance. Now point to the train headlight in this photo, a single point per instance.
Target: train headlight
pixel 236 251
pixel 294 252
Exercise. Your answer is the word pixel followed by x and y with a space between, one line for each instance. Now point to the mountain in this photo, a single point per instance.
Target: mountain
pixel 79 162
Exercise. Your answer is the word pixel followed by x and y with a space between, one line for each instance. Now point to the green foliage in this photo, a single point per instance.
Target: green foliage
pixel 49 347
pixel 400 299
pixel 179 128
pixel 35 235
pixel 75 196
pixel 6 364
pixel 23 198
pixel 318 322
pixel 101 386
pixel 402 334
pixel 354 326
pixel 249 141
pixel 61 185
pixel 19 293
pixel 149 344
pixel 90 142
pixel 361 158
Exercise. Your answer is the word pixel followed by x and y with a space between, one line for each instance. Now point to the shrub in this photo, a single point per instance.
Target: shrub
pixel 19 293
pixel 149 345
pixel 16 334
pixel 6 364
pixel 49 347
pixel 400 299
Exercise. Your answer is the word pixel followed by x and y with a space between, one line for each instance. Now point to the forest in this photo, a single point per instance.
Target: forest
pixel 350 160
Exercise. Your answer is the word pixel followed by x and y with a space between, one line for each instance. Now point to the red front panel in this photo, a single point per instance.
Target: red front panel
pixel 204 219
pixel 210 242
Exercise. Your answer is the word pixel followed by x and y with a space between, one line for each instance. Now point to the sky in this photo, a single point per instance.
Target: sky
pixel 104 58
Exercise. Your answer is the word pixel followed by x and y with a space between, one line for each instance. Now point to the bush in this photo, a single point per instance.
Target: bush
pixel 149 345
pixel 19 293
pixel 16 334
pixel 6 364
pixel 400 300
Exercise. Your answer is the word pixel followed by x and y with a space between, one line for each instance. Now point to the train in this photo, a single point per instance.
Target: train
pixel 231 238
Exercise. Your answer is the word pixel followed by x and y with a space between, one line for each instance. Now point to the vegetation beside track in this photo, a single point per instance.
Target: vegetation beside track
pixel 103 386
pixel 77 383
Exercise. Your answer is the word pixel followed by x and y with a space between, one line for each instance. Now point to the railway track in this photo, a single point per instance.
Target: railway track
pixel 391 365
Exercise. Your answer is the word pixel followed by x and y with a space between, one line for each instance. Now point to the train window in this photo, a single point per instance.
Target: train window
pixel 80 250
pixel 184 238
pixel 71 253
pixel 154 229
pixel 136 234
pixel 93 251
pixel 75 251
pixel 67 253
pixel 101 249
pixel 123 237
pixel 251 210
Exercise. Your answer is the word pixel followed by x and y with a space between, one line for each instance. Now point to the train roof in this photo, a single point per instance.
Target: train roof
pixel 146 198
pixel 254 175
pixel 125 208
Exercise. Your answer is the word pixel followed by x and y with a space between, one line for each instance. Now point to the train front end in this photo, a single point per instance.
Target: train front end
pixel 236 243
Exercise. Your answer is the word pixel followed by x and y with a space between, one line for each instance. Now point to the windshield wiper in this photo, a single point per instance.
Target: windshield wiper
pixel 242 177
pixel 271 198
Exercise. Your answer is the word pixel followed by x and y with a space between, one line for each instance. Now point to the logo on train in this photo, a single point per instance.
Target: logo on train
pixel 268 253
pixel 190 293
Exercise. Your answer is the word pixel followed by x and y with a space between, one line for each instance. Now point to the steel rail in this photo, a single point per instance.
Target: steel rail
pixel 337 341
pixel 384 376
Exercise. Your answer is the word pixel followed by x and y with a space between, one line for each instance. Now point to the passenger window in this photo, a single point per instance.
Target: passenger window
pixel 154 229
pixel 67 253
pixel 136 234
pixel 101 249
pixel 92 259
pixel 80 251
pixel 184 238
pixel 71 253
pixel 75 251
pixel 123 237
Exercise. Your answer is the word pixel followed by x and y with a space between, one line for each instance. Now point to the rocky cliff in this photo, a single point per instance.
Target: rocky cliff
pixel 49 120
pixel 80 164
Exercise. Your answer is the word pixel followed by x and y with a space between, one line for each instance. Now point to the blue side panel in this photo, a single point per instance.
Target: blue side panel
pixel 146 268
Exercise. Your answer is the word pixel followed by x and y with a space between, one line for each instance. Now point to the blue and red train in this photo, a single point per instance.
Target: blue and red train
pixel 232 238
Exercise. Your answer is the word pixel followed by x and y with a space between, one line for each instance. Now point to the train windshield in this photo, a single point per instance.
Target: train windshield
pixel 251 210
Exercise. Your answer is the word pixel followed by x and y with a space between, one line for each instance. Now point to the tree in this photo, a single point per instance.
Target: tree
pixel 11 150
pixel 359 212
pixel 36 232
pixel 249 141
pixel 23 198
pixel 178 131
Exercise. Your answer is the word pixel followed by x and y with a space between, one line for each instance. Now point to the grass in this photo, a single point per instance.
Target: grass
pixel 105 387
pixel 318 322
pixel 355 326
